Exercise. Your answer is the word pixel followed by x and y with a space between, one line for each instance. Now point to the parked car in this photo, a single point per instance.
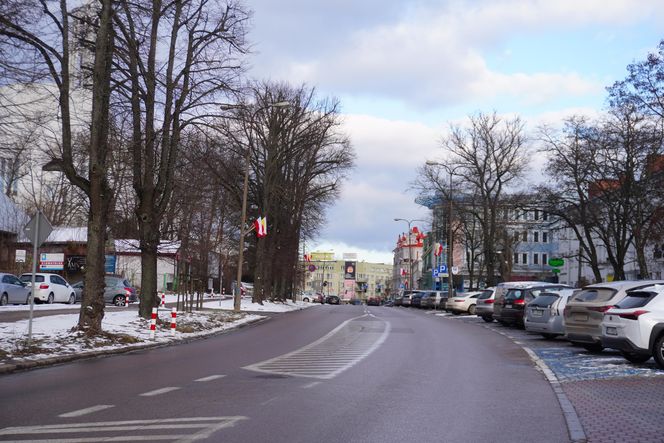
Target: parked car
pixel 463 302
pixel 433 299
pixel 116 292
pixel 585 310
pixel 484 306
pixel 373 301
pixel 396 301
pixel 13 290
pixel 50 288
pixel 544 314
pixel 512 298
pixel 332 299
pixel 406 297
pixel 316 297
pixel 635 325
pixel 416 299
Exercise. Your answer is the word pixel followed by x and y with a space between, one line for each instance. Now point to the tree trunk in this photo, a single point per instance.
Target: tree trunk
pixel 149 242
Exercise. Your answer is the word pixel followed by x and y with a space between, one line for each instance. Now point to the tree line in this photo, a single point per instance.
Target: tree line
pixel 604 179
pixel 155 118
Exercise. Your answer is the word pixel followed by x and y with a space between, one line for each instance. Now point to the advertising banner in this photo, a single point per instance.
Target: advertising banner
pixel 349 289
pixel 75 263
pixel 349 270
pixel 51 262
pixel 109 264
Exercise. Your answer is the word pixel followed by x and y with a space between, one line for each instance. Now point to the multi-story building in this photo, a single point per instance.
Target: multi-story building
pixel 326 274
pixel 408 260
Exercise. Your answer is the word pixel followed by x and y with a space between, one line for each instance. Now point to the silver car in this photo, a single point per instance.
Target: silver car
pixel 484 306
pixel 585 310
pixel 544 314
pixel 117 291
pixel 13 290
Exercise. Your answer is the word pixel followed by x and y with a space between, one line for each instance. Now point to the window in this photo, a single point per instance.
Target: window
pixel 545 215
pixel 545 258
pixel 516 236
pixel 536 258
pixel 516 258
pixel 536 237
pixel 524 258
pixel 536 212
pixel 524 236
pixel 545 237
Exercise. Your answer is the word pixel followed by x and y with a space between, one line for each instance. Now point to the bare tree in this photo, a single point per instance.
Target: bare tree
pixel 38 36
pixel 490 155
pixel 176 60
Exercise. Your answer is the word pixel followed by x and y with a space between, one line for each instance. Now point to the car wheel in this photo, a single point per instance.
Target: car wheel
pixel 119 300
pixel 658 351
pixel 72 299
pixel 27 300
pixel 305 299
pixel 487 319
pixel 50 299
pixel 456 312
pixel 471 310
pixel 4 300
pixel 548 336
pixel 593 347
pixel 635 358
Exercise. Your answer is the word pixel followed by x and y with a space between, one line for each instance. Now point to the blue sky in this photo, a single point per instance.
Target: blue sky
pixel 405 70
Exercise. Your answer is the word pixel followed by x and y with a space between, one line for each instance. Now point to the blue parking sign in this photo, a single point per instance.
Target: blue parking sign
pixel 442 269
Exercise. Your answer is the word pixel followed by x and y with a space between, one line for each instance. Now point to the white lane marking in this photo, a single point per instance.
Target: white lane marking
pixel 159 391
pixel 203 427
pixel 269 401
pixel 311 385
pixel 343 347
pixel 85 411
pixel 210 378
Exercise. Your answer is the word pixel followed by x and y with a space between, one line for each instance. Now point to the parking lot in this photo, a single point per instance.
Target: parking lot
pixel 615 400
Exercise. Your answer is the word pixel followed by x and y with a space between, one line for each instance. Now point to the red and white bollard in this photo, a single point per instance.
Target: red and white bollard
pixel 174 314
pixel 163 300
pixel 153 323
pixel 127 301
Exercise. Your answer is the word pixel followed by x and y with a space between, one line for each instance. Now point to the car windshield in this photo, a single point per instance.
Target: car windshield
pixel 545 300
pixel 28 278
pixel 636 300
pixel 127 284
pixel 594 295
pixel 485 294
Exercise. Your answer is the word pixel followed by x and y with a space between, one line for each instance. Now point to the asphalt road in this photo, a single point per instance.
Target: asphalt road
pixel 326 374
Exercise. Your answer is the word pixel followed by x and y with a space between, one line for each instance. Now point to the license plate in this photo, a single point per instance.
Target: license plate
pixel 611 331
pixel 508 306
pixel 581 317
pixel 537 313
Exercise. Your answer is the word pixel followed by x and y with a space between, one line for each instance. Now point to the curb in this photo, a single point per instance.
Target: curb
pixel 9 368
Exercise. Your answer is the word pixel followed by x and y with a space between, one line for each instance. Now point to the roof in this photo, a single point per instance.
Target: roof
pixel 132 246
pixel 66 234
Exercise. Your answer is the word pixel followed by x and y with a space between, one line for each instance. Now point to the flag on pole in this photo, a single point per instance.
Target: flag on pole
pixel 261 227
pixel 437 249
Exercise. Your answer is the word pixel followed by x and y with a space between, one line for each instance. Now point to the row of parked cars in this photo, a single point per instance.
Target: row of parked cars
pixel 52 288
pixel 624 315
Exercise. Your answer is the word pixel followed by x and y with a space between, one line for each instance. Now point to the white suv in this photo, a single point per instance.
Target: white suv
pixel 635 326
pixel 50 288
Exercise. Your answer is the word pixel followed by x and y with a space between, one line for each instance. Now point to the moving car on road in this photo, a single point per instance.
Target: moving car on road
pixel 13 291
pixel 585 310
pixel 50 288
pixel 635 326
pixel 544 315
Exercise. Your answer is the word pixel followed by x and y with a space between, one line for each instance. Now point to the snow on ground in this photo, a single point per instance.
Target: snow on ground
pixel 52 335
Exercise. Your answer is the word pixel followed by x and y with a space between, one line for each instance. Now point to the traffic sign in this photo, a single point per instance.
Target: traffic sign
pixel 556 262
pixel 38 229
pixel 455 269
pixel 442 269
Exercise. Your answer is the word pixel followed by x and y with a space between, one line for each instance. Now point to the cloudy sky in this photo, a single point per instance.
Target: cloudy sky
pixel 405 70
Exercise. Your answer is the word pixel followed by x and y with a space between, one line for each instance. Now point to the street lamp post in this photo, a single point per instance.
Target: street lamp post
pixel 450 242
pixel 410 253
pixel 237 301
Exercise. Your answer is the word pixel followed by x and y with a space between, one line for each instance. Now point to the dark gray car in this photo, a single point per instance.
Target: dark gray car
pixel 116 292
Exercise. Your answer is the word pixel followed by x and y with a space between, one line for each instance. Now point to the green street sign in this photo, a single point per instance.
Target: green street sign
pixel 556 271
pixel 556 262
